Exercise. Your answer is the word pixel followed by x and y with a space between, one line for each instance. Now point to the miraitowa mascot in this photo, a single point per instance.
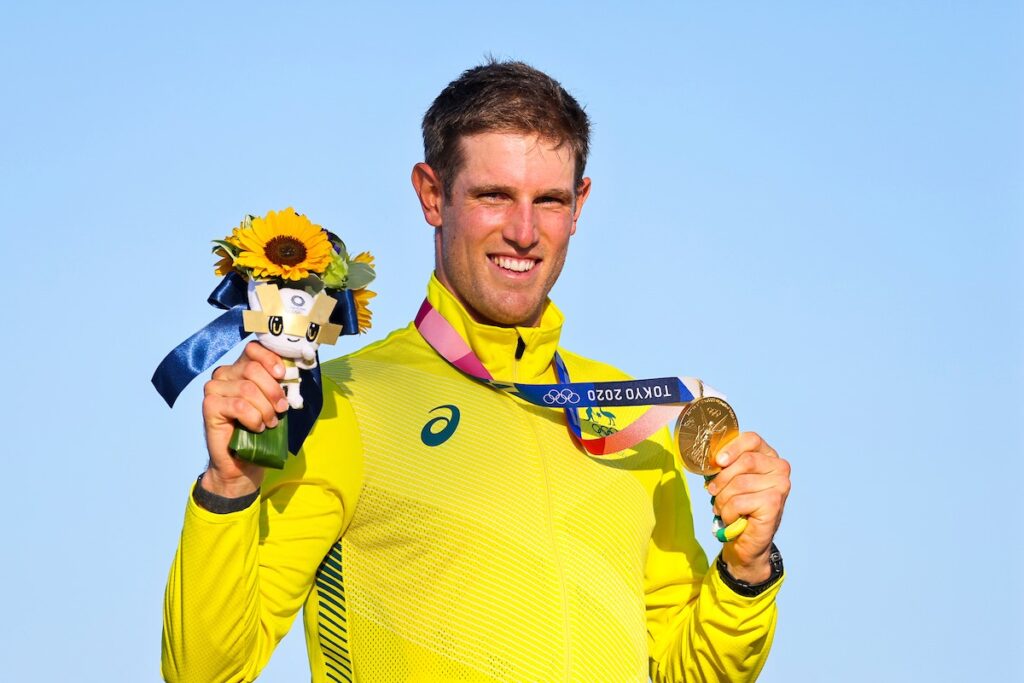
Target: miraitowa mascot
pixel 293 324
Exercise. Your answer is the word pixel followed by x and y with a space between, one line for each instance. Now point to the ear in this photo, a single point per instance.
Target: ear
pixel 582 192
pixel 269 297
pixel 428 188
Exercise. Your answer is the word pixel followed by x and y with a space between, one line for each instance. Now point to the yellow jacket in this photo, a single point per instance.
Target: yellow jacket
pixel 436 529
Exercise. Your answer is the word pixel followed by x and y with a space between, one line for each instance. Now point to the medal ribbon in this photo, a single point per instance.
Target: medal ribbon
pixel 665 395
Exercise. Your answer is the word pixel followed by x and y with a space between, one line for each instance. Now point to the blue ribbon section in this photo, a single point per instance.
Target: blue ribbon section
pixel 634 392
pixel 199 352
pixel 344 312
pixel 572 395
pixel 204 348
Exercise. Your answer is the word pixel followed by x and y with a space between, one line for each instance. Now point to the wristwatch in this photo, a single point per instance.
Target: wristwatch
pixel 220 505
pixel 751 590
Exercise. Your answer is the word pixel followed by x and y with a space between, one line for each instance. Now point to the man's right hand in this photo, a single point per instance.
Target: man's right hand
pixel 246 392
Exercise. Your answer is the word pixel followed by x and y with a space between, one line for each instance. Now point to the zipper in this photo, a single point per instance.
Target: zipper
pixel 520 350
pixel 555 549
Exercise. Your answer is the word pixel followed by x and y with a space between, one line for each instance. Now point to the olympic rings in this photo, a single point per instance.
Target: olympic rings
pixel 556 397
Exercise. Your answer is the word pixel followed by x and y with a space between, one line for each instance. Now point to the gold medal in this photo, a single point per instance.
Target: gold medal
pixel 705 425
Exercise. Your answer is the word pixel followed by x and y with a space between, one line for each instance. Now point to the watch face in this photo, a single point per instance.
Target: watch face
pixel 704 426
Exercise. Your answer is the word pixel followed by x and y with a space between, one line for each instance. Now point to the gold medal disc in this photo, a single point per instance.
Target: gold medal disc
pixel 704 426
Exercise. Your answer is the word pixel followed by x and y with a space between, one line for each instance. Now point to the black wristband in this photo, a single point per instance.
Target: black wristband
pixel 220 505
pixel 751 590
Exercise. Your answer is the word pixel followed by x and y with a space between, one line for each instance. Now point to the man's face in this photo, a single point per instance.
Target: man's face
pixel 503 231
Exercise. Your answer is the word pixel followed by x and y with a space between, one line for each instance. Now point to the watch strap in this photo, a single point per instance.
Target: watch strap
pixel 752 590
pixel 221 505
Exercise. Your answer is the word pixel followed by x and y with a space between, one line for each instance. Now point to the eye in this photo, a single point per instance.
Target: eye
pixel 550 200
pixel 276 325
pixel 312 332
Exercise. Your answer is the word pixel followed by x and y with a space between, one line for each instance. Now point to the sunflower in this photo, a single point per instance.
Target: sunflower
pixel 363 296
pixel 363 313
pixel 226 263
pixel 283 244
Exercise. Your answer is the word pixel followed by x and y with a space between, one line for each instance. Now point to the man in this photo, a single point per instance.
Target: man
pixel 436 528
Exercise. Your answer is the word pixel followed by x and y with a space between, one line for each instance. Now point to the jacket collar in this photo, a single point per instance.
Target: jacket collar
pixel 496 346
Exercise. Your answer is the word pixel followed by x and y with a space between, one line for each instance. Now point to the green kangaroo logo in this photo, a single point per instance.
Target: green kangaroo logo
pixel 448 424
pixel 598 414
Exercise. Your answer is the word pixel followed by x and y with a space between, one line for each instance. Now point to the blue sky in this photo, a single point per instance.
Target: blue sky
pixel 817 208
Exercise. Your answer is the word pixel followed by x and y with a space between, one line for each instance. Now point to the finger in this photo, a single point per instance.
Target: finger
pixel 741 443
pixel 265 357
pixel 746 483
pixel 768 450
pixel 271 388
pixel 225 372
pixel 233 408
pixel 247 391
pixel 749 463
pixel 258 365
pixel 744 442
pixel 762 507
pixel 253 352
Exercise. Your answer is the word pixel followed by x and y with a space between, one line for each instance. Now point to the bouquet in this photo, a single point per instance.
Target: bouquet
pixel 293 285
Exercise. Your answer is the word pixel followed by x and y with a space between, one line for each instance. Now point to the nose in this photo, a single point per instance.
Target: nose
pixel 521 227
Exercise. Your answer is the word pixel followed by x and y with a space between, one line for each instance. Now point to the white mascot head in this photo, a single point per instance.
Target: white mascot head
pixel 290 322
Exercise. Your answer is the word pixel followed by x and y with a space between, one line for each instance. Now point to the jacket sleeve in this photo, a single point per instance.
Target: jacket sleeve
pixel 698 628
pixel 238 579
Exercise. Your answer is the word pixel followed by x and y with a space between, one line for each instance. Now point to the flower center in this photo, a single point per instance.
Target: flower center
pixel 285 250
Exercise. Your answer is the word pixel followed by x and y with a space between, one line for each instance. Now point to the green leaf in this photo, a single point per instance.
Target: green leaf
pixel 268 448
pixel 359 275
pixel 231 249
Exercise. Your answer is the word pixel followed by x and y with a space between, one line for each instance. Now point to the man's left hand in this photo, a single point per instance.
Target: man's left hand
pixel 754 483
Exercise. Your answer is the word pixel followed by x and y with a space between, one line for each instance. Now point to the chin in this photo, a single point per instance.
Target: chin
pixel 511 315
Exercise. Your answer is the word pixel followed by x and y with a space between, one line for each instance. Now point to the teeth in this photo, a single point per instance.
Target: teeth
pixel 519 265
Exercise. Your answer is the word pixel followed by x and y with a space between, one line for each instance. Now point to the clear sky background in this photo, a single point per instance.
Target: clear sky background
pixel 817 207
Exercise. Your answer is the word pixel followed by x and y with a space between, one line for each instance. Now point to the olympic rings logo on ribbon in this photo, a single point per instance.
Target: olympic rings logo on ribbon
pixel 555 397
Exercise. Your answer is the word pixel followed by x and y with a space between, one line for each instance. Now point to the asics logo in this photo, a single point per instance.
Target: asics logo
pixel 556 397
pixel 441 428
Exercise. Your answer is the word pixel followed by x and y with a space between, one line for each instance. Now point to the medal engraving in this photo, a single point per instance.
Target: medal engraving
pixel 704 426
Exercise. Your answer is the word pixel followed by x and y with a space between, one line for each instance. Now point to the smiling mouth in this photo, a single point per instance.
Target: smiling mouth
pixel 516 265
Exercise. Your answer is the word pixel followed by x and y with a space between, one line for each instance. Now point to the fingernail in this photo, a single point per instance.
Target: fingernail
pixel 278 371
pixel 282 405
pixel 713 490
pixel 722 459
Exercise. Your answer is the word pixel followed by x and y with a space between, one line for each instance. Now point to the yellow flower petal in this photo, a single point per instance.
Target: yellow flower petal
pixel 363 314
pixel 225 265
pixel 283 244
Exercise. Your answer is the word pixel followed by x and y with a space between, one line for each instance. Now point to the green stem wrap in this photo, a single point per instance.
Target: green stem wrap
pixel 268 448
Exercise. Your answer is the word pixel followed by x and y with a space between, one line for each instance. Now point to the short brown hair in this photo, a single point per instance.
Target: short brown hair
pixel 502 97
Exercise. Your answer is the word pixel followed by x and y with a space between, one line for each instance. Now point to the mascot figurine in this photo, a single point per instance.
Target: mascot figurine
pixel 292 324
